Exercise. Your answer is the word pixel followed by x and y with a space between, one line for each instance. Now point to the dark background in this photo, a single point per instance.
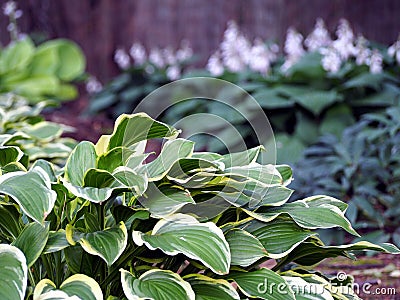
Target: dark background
pixel 100 26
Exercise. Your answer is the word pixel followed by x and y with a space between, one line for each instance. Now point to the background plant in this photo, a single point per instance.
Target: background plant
pixel 361 167
pixel 111 225
pixel 319 81
pixel 38 72
pixel 24 130
pixel 146 73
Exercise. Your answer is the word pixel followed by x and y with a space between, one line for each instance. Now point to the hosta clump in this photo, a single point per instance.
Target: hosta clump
pixel 31 137
pixel 184 226
pixel 363 168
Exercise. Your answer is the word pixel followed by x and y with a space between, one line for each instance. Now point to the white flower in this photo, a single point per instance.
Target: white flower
pixel 93 85
pixel 173 72
pixel 235 49
pixel 156 58
pixel 138 54
pixel 319 37
pixel 214 65
pixel 293 48
pixel 169 56
pixel 260 57
pixel 375 64
pixel 362 52
pixel 394 51
pixel 18 14
pixel 122 59
pixel 9 8
pixel 185 52
pixel 331 60
pixel 294 43
pixel 344 43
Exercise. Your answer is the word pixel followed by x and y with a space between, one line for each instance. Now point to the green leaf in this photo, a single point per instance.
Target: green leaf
pixel 114 158
pixel 56 241
pixel 107 244
pixel 242 158
pixel 263 284
pixel 165 200
pixel 279 237
pixel 245 248
pixel 9 154
pixel 67 58
pixel 311 253
pixel 31 190
pixel 131 129
pixel 316 101
pixel 13 273
pixel 330 124
pixel 207 288
pixel 10 220
pixel 16 55
pixel 170 153
pixel 44 131
pixel 304 290
pixel 365 79
pixel 312 217
pixel 81 286
pixel 156 284
pixel 270 99
pixel 82 158
pixel 32 241
pixel 181 233
pixel 35 86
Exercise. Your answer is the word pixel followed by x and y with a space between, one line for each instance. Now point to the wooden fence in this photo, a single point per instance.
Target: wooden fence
pixel 99 26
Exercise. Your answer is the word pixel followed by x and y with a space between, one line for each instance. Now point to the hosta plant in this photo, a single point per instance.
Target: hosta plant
pixel 362 167
pixel 187 225
pixel 31 137
pixel 38 71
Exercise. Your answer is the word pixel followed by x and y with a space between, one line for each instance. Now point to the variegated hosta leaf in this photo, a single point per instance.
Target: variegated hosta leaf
pixel 267 175
pixel 82 158
pixel 32 241
pixel 165 199
pixel 180 233
pixel 278 237
pixel 9 154
pixel 156 284
pixel 31 190
pixel 100 184
pixel 57 241
pixel 171 152
pixel 44 131
pixel 207 288
pixel 286 173
pixel 108 244
pixel 13 273
pixel 314 216
pixel 184 169
pixel 77 286
pixel 304 290
pixel 263 284
pixel 47 167
pixel 246 249
pixel 311 253
pixel 242 158
pixel 132 129
pixel 114 158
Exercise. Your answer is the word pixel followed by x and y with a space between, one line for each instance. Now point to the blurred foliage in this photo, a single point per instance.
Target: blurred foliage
pixel 21 125
pixel 41 72
pixel 361 167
